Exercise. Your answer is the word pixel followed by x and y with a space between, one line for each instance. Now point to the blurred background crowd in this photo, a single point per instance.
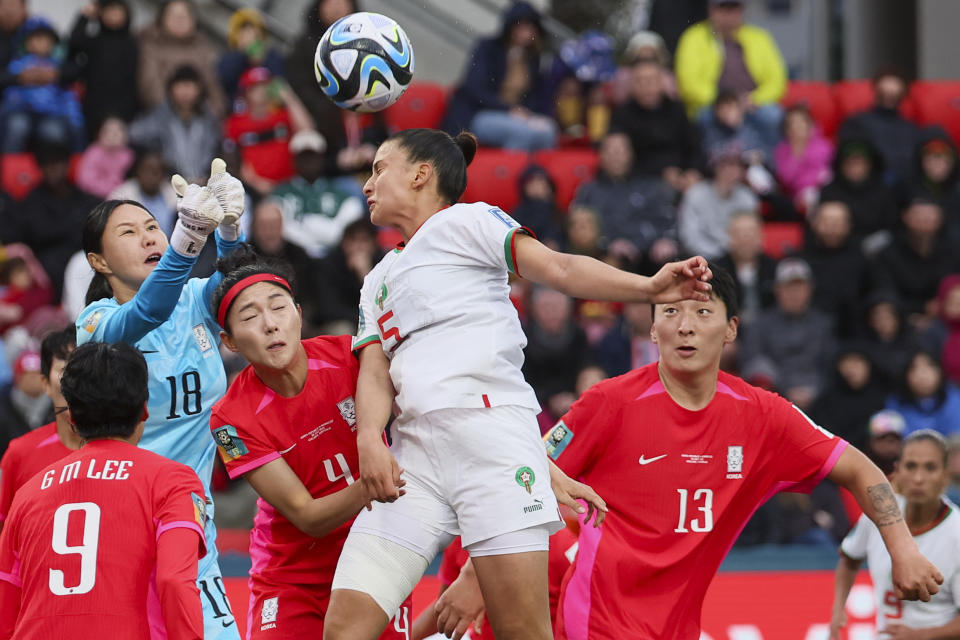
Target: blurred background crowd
pixel 837 213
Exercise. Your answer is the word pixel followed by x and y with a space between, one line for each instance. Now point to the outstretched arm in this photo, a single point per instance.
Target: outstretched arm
pixel 914 577
pixel 843 579
pixel 583 277
pixel 276 483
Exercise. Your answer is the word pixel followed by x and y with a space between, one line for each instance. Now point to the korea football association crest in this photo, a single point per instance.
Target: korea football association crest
pixel 203 340
pixel 268 613
pixel 734 462
pixel 348 410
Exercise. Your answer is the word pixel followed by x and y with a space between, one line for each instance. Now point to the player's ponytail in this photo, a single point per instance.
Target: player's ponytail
pixel 448 155
pixel 93 227
pixel 468 145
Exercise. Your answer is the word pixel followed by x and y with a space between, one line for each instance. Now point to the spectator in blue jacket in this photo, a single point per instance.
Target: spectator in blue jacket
pixel 926 400
pixel 504 96
pixel 36 105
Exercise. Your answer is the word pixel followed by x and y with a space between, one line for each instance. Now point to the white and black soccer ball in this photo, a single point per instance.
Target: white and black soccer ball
pixel 364 62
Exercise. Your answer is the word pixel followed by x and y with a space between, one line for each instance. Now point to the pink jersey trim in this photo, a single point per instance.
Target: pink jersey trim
pixel 655 389
pixel 261 536
pixel 49 440
pixel 316 365
pixel 253 464
pixel 830 463
pixel 14 576
pixel 3 517
pixel 181 524
pixel 724 388
pixel 267 399
pixel 576 601
pixel 253 601
pixel 783 485
pixel 158 628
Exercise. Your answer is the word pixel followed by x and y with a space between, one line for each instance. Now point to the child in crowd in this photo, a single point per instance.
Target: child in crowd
pixel 105 163
pixel 36 104
pixel 803 158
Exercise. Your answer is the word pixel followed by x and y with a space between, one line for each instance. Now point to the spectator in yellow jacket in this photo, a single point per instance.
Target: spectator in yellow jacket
pixel 722 53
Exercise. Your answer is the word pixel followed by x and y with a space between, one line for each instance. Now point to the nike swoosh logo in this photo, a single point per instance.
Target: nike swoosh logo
pixel 645 461
pixel 227 624
pixel 288 448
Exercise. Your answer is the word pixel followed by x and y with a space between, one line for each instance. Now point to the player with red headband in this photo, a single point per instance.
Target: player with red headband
pixel 287 425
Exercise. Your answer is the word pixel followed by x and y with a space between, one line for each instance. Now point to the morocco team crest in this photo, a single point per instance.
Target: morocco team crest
pixel 525 477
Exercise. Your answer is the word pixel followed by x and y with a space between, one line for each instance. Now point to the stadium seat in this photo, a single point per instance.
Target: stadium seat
pixel 19 174
pixel 818 99
pixel 852 96
pixel 780 238
pixel 568 168
pixel 423 105
pixel 937 102
pixel 492 177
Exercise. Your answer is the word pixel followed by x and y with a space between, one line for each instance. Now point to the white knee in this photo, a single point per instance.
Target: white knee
pixel 384 570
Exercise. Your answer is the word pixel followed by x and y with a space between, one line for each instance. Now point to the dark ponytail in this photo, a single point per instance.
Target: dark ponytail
pixel 93 227
pixel 448 155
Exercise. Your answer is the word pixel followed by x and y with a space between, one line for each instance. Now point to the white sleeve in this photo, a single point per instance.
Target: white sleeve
pixel 367 332
pixel 493 233
pixel 856 543
pixel 954 580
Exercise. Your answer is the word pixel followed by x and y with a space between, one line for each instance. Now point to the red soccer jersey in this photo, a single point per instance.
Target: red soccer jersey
pixel 81 543
pixel 563 549
pixel 25 456
pixel 680 485
pixel 315 433
pixel 264 143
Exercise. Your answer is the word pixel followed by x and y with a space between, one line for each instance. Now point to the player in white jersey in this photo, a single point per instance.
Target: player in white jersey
pixel 922 476
pixel 439 335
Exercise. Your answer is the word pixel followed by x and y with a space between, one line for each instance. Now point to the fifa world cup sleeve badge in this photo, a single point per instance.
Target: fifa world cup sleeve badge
pixel 557 439
pixel 230 445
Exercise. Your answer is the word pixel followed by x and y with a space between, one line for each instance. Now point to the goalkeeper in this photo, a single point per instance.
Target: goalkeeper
pixel 142 294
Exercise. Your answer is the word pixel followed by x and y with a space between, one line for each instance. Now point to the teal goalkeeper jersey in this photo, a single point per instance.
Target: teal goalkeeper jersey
pixel 185 371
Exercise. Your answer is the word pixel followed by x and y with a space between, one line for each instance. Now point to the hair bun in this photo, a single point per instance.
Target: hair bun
pixel 468 145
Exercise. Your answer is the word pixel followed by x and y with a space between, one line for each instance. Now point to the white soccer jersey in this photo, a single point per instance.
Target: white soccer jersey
pixel 940 544
pixel 441 308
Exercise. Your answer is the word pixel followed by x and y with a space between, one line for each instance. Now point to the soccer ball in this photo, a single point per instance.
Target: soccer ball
pixel 364 62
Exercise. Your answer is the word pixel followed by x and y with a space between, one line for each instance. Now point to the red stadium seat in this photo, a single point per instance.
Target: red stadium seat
pixel 19 174
pixel 568 168
pixel 780 238
pixel 818 100
pixel 852 96
pixel 492 177
pixel 937 102
pixel 423 105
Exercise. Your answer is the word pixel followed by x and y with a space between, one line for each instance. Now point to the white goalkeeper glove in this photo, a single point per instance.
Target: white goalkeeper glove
pixel 198 213
pixel 230 194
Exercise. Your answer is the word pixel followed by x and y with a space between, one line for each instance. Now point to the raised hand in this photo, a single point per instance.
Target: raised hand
pixel 684 280
pixel 198 214
pixel 231 196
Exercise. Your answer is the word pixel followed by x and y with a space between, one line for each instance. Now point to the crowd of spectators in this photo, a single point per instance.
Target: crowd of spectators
pixel 695 156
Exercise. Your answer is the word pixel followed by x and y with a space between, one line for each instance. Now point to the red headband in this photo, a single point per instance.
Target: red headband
pixel 243 284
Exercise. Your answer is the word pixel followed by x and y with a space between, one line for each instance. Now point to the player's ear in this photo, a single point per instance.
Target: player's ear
pixel 653 326
pixel 732 325
pixel 98 264
pixel 422 175
pixel 228 341
pixel 146 413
